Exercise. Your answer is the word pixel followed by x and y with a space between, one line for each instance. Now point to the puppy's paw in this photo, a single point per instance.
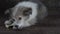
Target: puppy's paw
pixel 6 22
pixel 12 27
pixel 17 27
pixel 7 26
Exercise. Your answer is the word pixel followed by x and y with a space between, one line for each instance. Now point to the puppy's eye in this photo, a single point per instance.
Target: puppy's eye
pixel 27 12
pixel 13 19
pixel 19 18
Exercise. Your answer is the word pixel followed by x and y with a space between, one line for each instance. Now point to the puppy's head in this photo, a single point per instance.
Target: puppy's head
pixel 23 12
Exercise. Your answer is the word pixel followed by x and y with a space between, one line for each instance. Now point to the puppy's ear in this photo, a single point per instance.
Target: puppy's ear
pixel 7 11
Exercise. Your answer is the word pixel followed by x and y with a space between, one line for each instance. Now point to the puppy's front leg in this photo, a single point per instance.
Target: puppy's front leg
pixel 6 23
pixel 9 22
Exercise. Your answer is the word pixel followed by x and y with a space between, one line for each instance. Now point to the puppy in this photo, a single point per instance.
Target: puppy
pixel 25 14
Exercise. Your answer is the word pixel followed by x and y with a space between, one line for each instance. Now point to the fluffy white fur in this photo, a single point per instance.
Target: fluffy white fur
pixel 32 18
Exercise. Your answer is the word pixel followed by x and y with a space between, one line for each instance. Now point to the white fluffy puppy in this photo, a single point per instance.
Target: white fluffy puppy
pixel 25 13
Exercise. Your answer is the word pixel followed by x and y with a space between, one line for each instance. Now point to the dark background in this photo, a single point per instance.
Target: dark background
pixel 50 25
